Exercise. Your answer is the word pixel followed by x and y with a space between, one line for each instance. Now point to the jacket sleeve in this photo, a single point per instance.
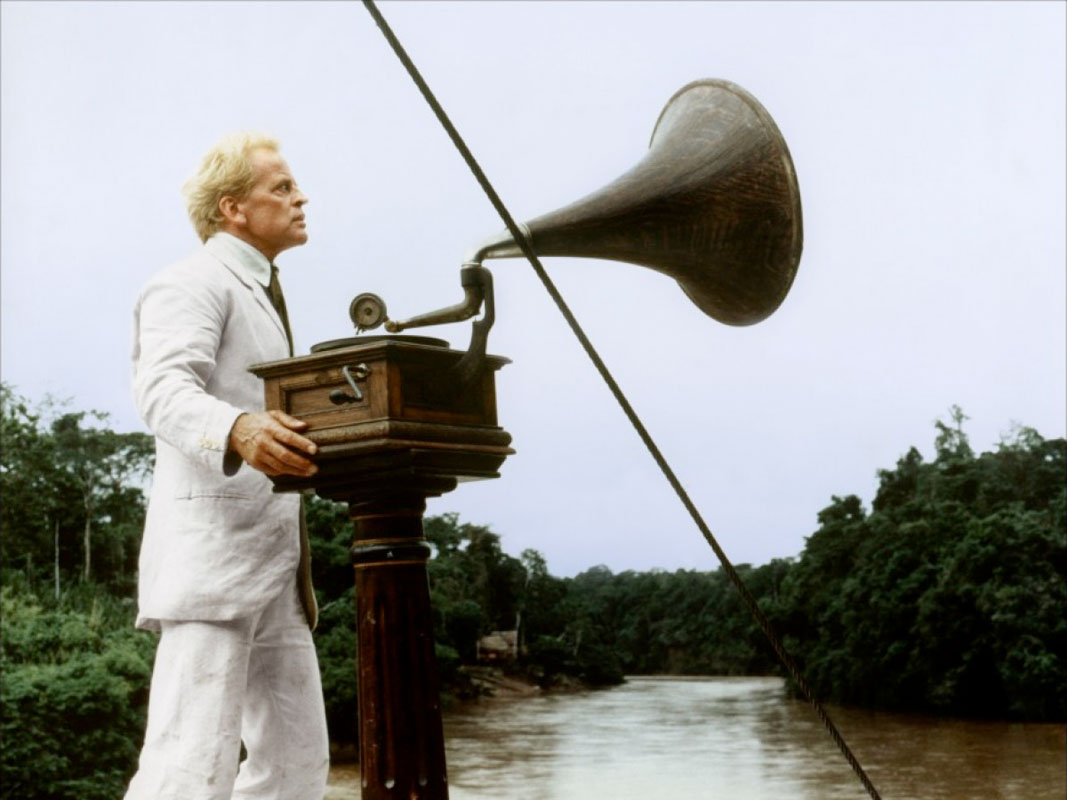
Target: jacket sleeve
pixel 177 330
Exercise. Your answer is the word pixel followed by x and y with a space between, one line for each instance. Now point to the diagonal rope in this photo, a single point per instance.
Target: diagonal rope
pixel 683 495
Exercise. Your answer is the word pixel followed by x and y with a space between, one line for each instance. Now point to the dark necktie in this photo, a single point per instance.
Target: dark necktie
pixel 277 299
pixel 307 594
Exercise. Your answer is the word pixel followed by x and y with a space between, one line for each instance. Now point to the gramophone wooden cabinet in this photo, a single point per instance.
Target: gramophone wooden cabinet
pixel 394 426
pixel 412 411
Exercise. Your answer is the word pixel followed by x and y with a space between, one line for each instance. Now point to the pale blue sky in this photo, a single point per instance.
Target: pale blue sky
pixel 929 143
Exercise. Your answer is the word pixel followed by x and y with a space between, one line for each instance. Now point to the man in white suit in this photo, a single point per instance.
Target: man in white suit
pixel 224 572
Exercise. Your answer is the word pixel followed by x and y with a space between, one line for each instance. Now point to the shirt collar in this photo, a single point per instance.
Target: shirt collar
pixel 232 250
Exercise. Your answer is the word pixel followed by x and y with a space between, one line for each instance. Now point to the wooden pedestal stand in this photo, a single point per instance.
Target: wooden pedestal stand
pixel 398 428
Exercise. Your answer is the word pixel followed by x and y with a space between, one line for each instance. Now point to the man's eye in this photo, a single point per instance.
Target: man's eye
pixel 284 187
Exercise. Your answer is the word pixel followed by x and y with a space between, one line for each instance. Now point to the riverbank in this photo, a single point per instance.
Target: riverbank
pixel 496 682
pixel 502 683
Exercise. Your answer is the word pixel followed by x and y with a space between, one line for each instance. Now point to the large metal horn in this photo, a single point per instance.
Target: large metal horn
pixel 714 204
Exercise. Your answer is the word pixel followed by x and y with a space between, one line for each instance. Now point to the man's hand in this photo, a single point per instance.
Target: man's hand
pixel 267 441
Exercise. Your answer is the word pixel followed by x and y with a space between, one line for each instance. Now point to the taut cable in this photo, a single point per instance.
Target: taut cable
pixel 523 243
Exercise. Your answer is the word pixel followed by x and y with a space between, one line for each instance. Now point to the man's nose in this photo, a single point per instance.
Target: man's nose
pixel 300 198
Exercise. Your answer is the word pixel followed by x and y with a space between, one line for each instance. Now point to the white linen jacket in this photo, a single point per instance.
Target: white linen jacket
pixel 218 543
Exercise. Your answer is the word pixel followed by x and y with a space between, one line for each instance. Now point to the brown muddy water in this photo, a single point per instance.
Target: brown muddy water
pixel 730 738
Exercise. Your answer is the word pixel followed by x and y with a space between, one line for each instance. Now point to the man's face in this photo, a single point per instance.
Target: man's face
pixel 271 216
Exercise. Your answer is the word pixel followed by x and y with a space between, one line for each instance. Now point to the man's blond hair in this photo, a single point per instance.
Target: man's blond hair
pixel 225 170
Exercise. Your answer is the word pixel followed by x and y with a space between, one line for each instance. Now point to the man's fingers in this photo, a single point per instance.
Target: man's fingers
pixel 267 469
pixel 269 442
pixel 290 462
pixel 294 440
pixel 288 421
pixel 274 459
pixel 287 435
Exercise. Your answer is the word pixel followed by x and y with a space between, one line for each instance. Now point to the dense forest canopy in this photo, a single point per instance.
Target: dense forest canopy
pixel 949 595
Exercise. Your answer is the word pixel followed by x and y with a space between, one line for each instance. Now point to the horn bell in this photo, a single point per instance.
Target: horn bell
pixel 714 204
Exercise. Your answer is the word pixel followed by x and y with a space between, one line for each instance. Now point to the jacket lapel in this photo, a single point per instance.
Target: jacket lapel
pixel 259 292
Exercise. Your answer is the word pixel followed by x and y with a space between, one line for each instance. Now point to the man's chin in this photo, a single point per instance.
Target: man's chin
pixel 293 242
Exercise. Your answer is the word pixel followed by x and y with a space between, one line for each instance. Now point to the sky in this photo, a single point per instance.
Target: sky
pixel 929 145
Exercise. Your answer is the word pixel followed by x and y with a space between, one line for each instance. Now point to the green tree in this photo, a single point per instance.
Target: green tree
pixel 542 600
pixel 994 625
pixel 30 509
pixel 98 463
pixel 71 488
pixel 951 595
pixel 951 442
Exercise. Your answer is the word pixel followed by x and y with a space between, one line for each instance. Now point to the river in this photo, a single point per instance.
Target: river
pixel 732 738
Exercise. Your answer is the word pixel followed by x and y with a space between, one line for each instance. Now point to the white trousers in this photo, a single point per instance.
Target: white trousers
pixel 216 684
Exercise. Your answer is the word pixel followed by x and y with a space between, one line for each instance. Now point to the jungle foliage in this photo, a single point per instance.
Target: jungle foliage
pixel 948 596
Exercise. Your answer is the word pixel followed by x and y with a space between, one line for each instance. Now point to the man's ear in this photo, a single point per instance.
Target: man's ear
pixel 231 210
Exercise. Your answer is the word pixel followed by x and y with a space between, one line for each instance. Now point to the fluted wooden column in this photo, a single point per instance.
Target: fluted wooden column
pixel 402 752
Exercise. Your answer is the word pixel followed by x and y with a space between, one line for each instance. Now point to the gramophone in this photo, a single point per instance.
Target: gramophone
pixel 714 204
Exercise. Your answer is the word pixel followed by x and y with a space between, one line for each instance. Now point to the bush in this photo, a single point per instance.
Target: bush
pixel 335 641
pixel 73 702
